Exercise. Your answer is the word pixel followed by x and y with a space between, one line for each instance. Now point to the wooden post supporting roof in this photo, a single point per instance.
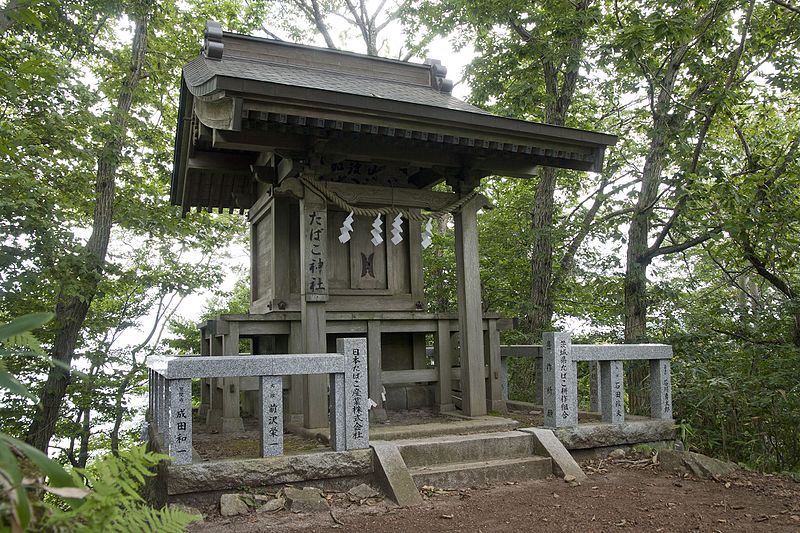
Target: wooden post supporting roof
pixel 314 291
pixel 470 316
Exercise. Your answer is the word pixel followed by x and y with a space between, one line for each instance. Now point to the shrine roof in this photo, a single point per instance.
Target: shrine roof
pixel 201 72
pixel 246 100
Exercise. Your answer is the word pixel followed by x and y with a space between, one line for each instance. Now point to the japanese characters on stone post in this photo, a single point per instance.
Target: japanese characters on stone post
pixel 180 426
pixel 356 406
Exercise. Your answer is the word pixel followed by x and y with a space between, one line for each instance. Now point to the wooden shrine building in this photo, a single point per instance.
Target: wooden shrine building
pixel 332 156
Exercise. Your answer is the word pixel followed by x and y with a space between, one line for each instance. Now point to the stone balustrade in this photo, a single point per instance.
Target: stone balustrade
pixel 170 399
pixel 557 377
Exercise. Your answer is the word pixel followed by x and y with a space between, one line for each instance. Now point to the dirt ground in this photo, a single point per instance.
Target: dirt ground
pixel 619 495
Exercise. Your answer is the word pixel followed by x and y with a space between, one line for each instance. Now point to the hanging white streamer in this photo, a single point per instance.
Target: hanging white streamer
pixel 397 230
pixel 376 231
pixel 427 235
pixel 347 229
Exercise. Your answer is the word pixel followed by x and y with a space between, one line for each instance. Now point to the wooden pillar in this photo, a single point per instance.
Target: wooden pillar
pixel 231 416
pixel 494 384
pixel 444 352
pixel 314 295
pixel 418 350
pixel 470 319
pixel 378 412
pixel 296 384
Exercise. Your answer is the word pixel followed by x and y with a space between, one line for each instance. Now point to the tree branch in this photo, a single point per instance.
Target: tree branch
pixel 787 5
pixel 685 245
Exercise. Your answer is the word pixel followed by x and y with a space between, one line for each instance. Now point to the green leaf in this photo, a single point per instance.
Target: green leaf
pixel 24 324
pixel 12 384
pixel 23 509
pixel 58 477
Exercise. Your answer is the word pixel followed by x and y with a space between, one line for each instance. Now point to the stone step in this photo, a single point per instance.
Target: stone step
pixel 465 448
pixel 472 474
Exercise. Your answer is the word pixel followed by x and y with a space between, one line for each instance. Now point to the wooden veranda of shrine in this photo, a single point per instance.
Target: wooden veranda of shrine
pixel 332 156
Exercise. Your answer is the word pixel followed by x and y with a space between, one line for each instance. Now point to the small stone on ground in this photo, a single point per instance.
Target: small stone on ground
pixel 308 500
pixel 232 505
pixel 619 453
pixel 362 492
pixel 273 505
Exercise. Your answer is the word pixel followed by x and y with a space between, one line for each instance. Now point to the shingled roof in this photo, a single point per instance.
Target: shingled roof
pixel 245 96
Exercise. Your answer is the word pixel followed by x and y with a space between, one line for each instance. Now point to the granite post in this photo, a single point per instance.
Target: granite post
pixel 612 392
pixel 163 409
pixel 504 377
pixel 150 395
pixel 595 388
pixel 179 394
pixel 338 405
pixel 356 392
pixel 660 389
pixel 271 391
pixel 538 381
pixel 560 380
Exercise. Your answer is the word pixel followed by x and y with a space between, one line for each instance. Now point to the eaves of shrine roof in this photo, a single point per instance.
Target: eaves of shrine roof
pixel 247 102
pixel 357 85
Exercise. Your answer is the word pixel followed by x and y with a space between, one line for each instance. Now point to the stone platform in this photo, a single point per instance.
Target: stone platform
pixel 421 423
pixel 414 449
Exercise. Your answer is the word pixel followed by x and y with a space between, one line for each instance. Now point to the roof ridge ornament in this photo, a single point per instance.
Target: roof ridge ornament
pixel 212 40
pixel 438 80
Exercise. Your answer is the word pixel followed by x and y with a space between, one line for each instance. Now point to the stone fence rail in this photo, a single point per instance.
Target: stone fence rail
pixel 557 377
pixel 170 398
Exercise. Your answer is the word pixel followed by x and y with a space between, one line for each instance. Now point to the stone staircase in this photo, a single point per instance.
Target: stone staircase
pixel 461 461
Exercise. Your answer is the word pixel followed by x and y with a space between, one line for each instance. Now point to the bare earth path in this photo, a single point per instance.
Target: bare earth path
pixel 617 497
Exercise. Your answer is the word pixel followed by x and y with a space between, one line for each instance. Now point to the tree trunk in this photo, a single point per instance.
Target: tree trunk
pixel 6 19
pixel 118 411
pixel 635 283
pixel 83 454
pixel 796 326
pixel 71 306
pixel 541 310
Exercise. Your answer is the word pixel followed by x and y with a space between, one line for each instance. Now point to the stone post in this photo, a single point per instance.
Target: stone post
pixel 538 381
pixel 271 393
pixel 179 397
pixel 162 410
pixel 150 396
pixel 612 391
pixel 504 377
pixel 338 404
pixel 595 389
pixel 356 392
pixel 660 389
pixel 205 383
pixel 560 379
pixel 214 416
